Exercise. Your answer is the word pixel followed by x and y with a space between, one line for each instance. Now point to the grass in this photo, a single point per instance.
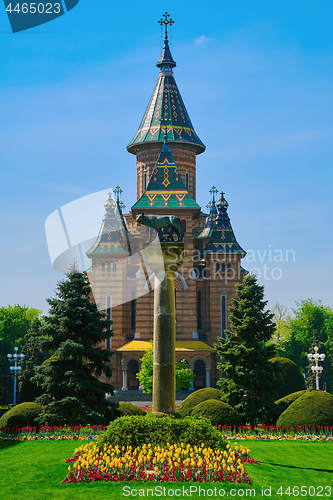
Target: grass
pixel 34 470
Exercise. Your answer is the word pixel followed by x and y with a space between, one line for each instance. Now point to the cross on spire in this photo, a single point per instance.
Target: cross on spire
pixel 118 192
pixel 222 194
pixel 166 22
pixel 213 191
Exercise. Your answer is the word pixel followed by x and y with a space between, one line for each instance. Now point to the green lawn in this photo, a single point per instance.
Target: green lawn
pixel 34 470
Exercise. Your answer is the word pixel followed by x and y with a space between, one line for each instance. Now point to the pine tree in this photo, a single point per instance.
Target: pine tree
pixel 36 349
pixel 72 393
pixel 251 379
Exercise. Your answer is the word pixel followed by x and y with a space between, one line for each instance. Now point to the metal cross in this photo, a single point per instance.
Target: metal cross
pixel 166 21
pixel 213 191
pixel 118 191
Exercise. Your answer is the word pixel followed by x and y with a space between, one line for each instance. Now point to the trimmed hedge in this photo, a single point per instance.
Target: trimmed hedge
pixel 312 408
pixel 288 400
pixel 292 379
pixel 136 431
pixel 129 409
pixel 22 415
pixel 197 397
pixel 218 412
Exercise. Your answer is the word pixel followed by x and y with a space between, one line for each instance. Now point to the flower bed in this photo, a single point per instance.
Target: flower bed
pixel 177 462
pixel 45 432
pixel 92 432
pixel 264 432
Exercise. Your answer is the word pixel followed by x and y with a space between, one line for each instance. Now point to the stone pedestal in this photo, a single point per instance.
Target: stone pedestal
pixel 164 262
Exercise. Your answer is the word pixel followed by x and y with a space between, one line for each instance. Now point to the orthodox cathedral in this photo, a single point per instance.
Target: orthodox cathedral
pixel 166 146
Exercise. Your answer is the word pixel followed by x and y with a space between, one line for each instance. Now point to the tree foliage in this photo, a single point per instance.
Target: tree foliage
pixel 308 316
pixel 72 392
pixel 15 322
pixel 184 376
pixel 250 383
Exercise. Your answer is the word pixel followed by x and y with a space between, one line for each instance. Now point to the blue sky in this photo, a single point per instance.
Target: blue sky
pixel 256 78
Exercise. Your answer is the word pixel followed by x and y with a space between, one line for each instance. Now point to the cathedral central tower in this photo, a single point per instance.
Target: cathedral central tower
pixel 166 113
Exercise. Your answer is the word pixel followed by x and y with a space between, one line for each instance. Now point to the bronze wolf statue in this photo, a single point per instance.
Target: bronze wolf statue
pixel 167 226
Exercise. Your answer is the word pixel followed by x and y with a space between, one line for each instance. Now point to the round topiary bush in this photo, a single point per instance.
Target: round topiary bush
pixel 136 431
pixel 129 409
pixel 197 397
pixel 218 412
pixel 313 408
pixel 288 400
pixel 292 379
pixel 21 415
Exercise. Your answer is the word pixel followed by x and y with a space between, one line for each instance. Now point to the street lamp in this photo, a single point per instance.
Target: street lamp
pixel 15 369
pixel 316 368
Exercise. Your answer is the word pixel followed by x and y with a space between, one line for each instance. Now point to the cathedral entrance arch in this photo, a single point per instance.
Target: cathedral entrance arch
pixel 199 371
pixel 132 370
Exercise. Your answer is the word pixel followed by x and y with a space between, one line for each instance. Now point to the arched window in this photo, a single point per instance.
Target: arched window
pixel 109 267
pixel 144 180
pixel 108 310
pixel 133 310
pixel 114 267
pixel 223 313
pixel 183 225
pixel 217 267
pixel 199 310
pixel 187 180
pixel 223 267
pixel 103 267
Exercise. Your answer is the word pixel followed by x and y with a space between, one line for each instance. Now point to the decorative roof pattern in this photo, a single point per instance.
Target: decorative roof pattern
pixel 180 345
pixel 166 188
pixel 207 232
pixel 166 104
pixel 113 235
pixel 222 238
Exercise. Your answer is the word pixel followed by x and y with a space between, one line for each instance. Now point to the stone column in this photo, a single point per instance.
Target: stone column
pixel 124 387
pixel 164 266
pixel 207 378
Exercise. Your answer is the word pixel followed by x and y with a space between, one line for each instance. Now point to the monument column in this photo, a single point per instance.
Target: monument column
pixel 164 387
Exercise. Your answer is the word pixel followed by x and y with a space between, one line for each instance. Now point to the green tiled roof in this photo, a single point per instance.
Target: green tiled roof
pixel 166 188
pixel 208 229
pixel 166 105
pixel 222 238
pixel 112 237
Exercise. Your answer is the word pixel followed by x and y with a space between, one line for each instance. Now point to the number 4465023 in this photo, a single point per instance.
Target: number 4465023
pixel 305 491
pixel 33 8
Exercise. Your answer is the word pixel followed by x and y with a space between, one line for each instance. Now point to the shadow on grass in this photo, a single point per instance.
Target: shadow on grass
pixel 8 444
pixel 295 467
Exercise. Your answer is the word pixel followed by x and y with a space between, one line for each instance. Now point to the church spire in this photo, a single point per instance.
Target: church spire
pixel 166 103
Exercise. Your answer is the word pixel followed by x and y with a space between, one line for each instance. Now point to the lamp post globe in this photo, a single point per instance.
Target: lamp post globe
pixel 13 358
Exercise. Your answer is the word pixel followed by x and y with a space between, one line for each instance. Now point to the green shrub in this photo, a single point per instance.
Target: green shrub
pixel 288 400
pixel 136 431
pixel 197 397
pixel 26 414
pixel 282 404
pixel 129 409
pixel 312 408
pixel 218 412
pixel 291 379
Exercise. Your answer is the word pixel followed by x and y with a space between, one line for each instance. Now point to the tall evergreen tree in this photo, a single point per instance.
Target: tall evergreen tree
pixel 36 349
pixel 251 379
pixel 72 392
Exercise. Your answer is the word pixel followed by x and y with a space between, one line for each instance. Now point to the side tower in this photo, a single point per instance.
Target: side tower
pixel 166 108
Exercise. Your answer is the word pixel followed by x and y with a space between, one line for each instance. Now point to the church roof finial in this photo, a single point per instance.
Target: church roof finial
pixel 166 23
pixel 166 61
